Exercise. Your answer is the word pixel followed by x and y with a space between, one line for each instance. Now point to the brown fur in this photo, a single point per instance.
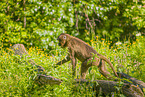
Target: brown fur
pixel 83 52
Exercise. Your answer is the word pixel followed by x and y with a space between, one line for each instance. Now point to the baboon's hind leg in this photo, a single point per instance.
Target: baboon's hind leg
pixel 103 70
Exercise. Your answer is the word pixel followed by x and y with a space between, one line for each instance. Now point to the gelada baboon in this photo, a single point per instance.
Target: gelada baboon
pixel 85 53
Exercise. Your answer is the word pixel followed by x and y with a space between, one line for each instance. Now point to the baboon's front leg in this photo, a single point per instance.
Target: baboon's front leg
pixel 63 61
pixel 74 62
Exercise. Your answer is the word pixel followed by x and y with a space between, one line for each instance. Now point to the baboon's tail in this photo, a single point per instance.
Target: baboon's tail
pixel 105 59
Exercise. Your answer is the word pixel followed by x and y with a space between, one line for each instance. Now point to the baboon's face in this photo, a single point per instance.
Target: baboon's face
pixel 62 40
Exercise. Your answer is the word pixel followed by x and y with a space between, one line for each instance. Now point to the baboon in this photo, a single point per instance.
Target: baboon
pixel 80 50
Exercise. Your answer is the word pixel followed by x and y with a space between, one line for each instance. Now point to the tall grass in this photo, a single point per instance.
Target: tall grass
pixel 16 77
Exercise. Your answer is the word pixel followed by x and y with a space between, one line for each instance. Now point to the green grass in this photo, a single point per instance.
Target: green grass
pixel 16 77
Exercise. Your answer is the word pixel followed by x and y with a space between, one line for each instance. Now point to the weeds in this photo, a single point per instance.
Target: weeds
pixel 16 77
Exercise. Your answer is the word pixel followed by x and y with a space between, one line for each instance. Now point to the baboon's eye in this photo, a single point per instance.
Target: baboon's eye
pixel 64 37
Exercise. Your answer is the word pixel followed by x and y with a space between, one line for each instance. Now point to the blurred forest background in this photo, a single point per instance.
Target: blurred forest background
pixel 38 23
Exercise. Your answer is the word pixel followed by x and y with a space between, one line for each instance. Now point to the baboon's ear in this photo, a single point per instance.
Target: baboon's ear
pixel 64 37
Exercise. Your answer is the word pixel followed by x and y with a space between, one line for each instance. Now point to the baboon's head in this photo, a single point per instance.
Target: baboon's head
pixel 63 39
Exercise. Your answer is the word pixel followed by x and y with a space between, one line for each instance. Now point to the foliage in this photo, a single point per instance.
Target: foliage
pixel 34 22
pixel 17 76
pixel 39 22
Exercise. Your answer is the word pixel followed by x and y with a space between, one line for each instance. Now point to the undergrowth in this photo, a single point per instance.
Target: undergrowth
pixel 16 77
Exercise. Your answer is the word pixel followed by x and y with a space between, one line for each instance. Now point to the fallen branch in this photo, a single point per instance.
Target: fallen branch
pixel 135 81
pixel 107 87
